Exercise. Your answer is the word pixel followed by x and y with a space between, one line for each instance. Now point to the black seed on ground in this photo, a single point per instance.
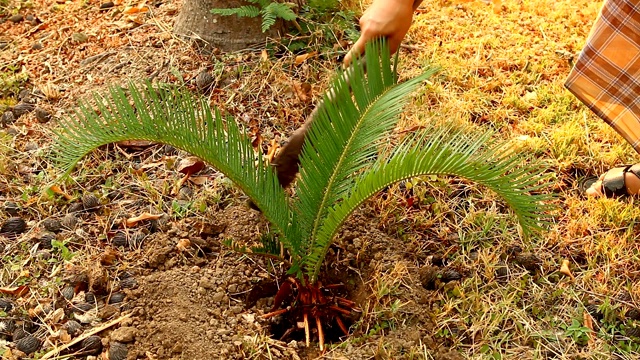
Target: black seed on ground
pixel 68 292
pixel 632 331
pixel 107 5
pixel 624 296
pixel 7 118
pixel 69 221
pixel 528 261
pixel 116 298
pixel 7 327
pixel 24 94
pixel 128 283
pixel 45 240
pixel 502 271
pixel 450 275
pixel 37 46
pixel 11 208
pixel 118 351
pixel 42 115
pixel 185 193
pixel 634 314
pixel 5 305
pixel 90 298
pixel 83 307
pixel 119 239
pixel 72 327
pixel 137 239
pixel 91 345
pixel 28 344
pixel 90 202
pixel 16 18
pixel 18 333
pixel 75 207
pixel 204 80
pixel 52 225
pixel 22 109
pixel 13 225
pixel 594 311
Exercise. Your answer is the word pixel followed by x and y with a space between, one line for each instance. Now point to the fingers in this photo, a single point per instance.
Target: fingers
pixel 356 49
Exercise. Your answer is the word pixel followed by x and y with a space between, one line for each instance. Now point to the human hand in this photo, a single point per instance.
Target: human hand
pixel 389 19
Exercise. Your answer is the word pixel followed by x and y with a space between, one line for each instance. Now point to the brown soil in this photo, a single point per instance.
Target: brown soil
pixel 194 307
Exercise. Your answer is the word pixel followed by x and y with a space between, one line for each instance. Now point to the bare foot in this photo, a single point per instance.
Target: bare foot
pixel 631 181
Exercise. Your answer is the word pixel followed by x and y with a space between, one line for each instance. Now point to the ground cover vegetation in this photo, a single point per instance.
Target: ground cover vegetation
pixel 127 258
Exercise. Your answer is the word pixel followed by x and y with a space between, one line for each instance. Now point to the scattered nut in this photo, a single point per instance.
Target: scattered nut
pixel 28 344
pixel 13 225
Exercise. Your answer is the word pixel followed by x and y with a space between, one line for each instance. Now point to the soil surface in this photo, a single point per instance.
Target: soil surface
pixel 195 307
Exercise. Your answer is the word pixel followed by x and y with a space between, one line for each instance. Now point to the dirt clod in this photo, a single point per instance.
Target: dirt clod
pixel 528 261
pixel 125 334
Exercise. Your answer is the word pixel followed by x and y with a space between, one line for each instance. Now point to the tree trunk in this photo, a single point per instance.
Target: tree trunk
pixel 227 33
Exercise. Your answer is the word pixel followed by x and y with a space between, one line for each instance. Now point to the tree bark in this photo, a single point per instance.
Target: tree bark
pixel 227 33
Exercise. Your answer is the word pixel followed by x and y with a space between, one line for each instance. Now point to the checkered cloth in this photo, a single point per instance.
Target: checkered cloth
pixel 606 76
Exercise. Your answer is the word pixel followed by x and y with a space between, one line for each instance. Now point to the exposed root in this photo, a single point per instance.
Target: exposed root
pixel 312 301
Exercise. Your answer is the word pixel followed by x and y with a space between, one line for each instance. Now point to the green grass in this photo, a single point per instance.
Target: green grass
pixel 501 70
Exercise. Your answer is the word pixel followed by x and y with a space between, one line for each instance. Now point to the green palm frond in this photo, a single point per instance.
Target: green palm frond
pixel 478 159
pixel 346 135
pixel 173 117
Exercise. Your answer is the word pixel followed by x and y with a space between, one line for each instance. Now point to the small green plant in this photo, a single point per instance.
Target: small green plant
pixel 578 332
pixel 61 246
pixel 343 163
pixel 269 10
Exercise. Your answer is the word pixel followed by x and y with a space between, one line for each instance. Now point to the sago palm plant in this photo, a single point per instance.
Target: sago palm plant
pixel 341 165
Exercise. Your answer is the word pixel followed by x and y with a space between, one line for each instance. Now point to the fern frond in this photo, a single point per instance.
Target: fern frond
pixel 488 163
pixel 242 11
pixel 345 136
pixel 268 20
pixel 174 117
pixel 281 10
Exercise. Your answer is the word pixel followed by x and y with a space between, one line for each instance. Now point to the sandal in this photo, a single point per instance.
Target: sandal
pixel 613 182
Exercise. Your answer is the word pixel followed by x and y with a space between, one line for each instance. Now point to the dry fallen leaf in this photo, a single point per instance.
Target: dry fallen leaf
pixel 136 219
pixel 302 58
pixel 15 291
pixel 56 189
pixel 108 257
pixel 303 91
pixel 588 323
pixel 272 150
pixel 564 269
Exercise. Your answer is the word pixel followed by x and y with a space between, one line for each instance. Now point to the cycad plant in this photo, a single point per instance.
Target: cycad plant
pixel 341 166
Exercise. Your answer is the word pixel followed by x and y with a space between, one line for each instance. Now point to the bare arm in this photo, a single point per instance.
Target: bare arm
pixel 390 19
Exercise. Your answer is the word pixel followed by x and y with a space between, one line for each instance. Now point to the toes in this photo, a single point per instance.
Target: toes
pixel 595 189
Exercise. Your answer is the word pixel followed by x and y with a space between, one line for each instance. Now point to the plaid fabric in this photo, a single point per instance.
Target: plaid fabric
pixel 606 76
